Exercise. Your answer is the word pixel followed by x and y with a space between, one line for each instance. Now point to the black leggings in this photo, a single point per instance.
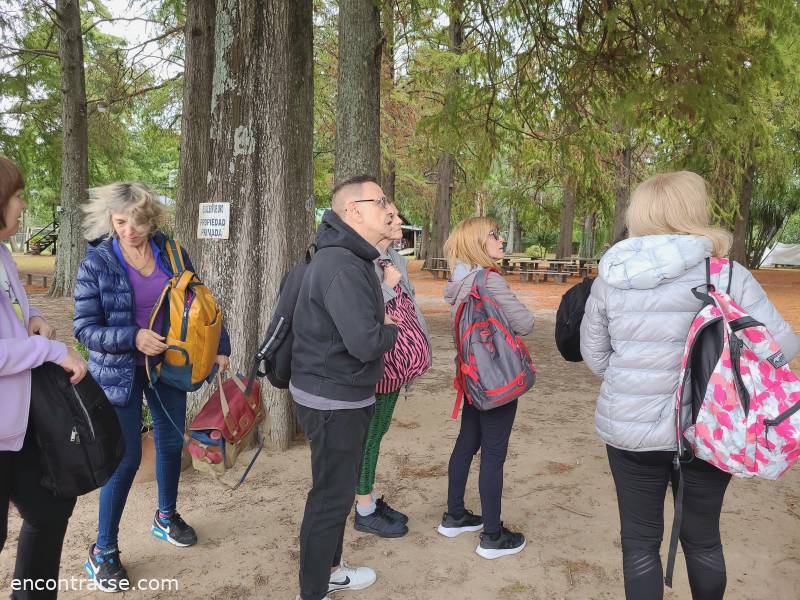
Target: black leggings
pixel 45 518
pixel 488 431
pixel 641 479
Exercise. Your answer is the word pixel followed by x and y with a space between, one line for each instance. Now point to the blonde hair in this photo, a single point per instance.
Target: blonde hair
pixel 467 243
pixel 675 203
pixel 135 199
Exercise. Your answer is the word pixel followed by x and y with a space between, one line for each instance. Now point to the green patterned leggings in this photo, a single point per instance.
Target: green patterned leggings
pixel 378 426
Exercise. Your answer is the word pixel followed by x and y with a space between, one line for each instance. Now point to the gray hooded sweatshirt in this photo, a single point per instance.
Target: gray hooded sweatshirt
pixel 457 288
pixel 635 327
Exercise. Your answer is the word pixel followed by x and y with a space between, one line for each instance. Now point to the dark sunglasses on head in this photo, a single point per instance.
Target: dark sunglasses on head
pixel 382 201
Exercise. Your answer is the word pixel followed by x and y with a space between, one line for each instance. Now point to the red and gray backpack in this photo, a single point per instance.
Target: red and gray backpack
pixel 493 365
pixel 737 406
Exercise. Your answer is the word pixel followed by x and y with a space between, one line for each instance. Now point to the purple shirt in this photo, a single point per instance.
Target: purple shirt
pixel 19 353
pixel 146 292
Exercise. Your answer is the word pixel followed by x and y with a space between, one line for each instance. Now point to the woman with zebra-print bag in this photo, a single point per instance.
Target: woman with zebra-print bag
pixel 409 358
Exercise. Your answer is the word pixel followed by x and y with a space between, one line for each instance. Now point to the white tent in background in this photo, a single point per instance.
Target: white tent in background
pixel 782 254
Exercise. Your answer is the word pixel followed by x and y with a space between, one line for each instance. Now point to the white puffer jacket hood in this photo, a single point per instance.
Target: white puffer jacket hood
pixel 635 327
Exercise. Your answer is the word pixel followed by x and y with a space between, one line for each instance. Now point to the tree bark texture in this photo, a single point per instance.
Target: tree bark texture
pixel 260 162
pixel 358 102
pixel 441 215
pixel 425 241
pixel 587 240
pixel 75 148
pixel 389 173
pixel 622 193
pixel 513 241
pixel 741 225
pixel 198 76
pixel 568 202
pixel 444 191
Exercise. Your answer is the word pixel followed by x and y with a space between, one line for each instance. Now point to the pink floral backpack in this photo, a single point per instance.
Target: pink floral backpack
pixel 738 403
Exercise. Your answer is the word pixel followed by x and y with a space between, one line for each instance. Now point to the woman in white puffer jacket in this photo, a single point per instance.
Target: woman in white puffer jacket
pixel 633 335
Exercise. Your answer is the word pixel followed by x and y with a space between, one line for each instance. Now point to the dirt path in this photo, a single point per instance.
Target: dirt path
pixel 558 490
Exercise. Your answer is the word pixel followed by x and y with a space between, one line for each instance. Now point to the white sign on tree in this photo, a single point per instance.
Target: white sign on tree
pixel 214 221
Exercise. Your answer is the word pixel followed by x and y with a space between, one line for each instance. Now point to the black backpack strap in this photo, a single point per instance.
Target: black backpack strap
pixel 708 273
pixel 730 276
pixel 677 521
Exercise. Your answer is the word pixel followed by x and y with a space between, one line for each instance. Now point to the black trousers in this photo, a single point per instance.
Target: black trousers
pixel 488 431
pixel 44 515
pixel 641 480
pixel 336 438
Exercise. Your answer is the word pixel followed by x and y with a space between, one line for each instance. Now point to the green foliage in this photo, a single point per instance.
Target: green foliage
pixel 536 92
pixel 133 116
pixel 791 234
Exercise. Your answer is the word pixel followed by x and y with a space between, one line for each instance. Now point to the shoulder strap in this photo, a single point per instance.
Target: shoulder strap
pixel 723 264
pixel 481 277
pixel 175 256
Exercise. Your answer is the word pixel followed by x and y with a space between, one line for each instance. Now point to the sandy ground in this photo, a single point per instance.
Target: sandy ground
pixel 558 490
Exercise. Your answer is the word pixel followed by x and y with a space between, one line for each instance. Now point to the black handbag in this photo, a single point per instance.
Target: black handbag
pixel 77 431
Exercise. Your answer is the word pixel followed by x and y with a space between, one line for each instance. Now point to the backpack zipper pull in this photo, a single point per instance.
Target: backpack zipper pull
pixel 75 437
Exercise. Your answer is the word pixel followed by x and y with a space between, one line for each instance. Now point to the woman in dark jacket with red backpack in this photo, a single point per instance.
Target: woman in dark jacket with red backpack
pixel 476 244
pixel 118 284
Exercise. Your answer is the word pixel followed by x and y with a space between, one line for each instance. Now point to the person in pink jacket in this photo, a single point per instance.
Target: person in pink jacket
pixel 25 343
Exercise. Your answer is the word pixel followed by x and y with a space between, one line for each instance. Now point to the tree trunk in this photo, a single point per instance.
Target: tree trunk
pixel 564 248
pixel 441 215
pixel 75 148
pixel 444 190
pixel 358 101
pixel 480 204
pixel 425 242
pixel 512 244
pixel 198 76
pixel 587 240
pixel 389 174
pixel 741 225
pixel 260 162
pixel 622 193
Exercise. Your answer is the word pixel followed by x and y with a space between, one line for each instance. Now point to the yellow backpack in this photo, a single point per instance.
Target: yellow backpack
pixel 192 326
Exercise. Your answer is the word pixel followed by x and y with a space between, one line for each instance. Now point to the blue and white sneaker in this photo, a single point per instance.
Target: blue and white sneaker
pixel 106 570
pixel 174 530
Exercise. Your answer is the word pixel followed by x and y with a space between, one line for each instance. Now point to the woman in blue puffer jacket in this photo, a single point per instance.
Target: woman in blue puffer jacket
pixel 118 284
pixel 633 335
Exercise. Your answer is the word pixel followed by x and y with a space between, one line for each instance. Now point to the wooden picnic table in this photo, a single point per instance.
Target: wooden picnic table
pixel 437 267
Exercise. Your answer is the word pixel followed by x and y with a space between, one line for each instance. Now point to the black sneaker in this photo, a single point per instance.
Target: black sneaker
pixel 507 542
pixel 107 571
pixel 174 530
pixel 393 514
pixel 451 527
pixel 380 524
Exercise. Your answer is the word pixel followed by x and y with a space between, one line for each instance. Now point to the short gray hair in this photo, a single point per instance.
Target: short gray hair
pixel 136 199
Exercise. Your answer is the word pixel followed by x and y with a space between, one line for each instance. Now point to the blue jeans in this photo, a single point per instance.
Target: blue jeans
pixel 168 443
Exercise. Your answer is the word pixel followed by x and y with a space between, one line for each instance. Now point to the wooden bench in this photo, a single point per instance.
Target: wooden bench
pixel 537 275
pixel 28 278
pixel 437 271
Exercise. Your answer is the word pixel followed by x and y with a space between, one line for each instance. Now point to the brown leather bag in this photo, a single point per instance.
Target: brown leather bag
pixel 223 427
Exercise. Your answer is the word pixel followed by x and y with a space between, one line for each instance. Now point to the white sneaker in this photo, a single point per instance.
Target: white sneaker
pixel 350 578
